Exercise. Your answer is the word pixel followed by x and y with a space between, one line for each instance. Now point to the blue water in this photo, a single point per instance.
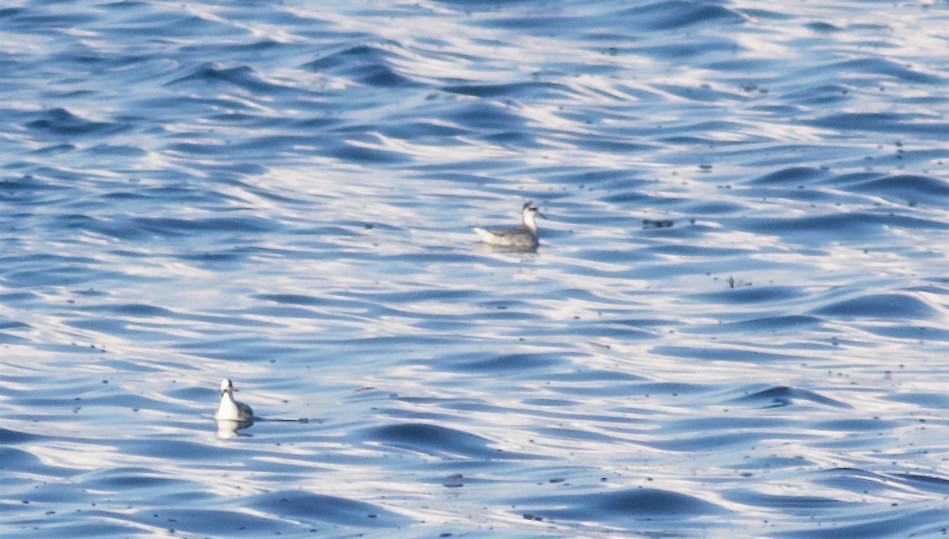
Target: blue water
pixel 735 324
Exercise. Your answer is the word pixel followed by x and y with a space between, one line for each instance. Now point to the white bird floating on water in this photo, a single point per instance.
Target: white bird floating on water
pixel 230 409
pixel 522 237
pixel 232 416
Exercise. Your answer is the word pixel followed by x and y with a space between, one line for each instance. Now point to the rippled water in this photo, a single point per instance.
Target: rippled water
pixel 735 324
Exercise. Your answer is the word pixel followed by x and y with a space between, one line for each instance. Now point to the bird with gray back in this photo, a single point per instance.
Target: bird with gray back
pixel 520 238
pixel 230 409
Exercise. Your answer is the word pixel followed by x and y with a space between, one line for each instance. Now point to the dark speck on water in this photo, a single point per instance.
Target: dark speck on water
pixel 734 325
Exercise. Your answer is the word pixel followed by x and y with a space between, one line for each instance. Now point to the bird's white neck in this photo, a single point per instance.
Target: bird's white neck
pixel 529 220
pixel 228 408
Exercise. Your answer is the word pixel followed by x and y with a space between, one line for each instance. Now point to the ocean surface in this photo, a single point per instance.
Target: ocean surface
pixel 736 323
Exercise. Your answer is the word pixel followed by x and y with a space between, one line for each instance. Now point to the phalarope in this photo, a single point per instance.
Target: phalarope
pixel 518 237
pixel 230 409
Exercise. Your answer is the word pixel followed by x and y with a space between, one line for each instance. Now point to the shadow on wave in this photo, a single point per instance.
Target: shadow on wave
pixel 369 64
pixel 303 506
pixel 621 507
pixel 436 441
pixel 780 396
pixel 61 122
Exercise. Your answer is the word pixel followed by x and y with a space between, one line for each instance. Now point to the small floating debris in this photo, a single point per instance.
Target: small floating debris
pixel 454 481
pixel 657 223
pixel 732 282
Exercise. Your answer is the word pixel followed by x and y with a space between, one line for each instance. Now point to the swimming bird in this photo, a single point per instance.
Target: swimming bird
pixel 230 409
pixel 523 237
